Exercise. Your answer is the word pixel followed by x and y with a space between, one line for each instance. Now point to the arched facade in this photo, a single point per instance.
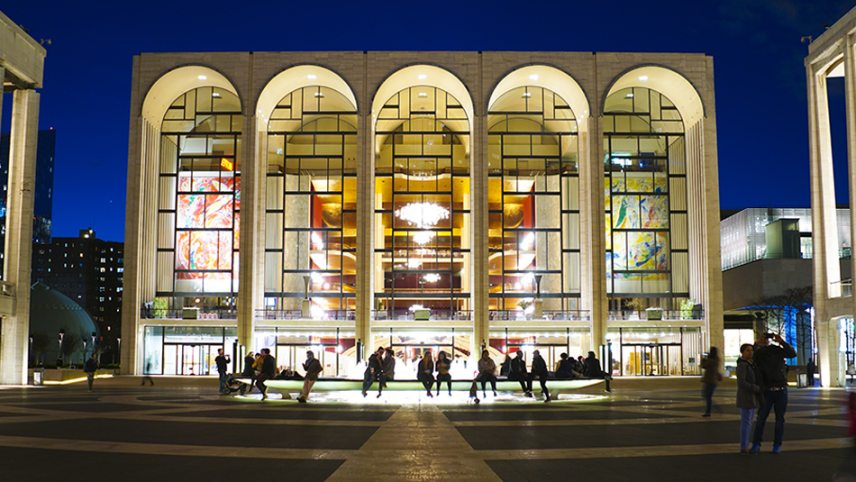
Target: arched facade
pixel 417 205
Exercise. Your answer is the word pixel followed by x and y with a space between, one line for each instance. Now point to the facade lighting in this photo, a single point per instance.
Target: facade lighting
pixel 643 78
pixel 202 77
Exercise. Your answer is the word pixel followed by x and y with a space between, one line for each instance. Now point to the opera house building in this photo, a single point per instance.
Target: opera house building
pixel 454 201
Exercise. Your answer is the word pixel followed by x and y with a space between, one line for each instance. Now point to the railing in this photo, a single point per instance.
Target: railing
pixel 844 288
pixel 188 313
pixel 421 315
pixel 655 315
pixel 270 314
pixel 547 315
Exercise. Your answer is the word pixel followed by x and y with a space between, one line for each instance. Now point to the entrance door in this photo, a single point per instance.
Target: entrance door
pixel 189 359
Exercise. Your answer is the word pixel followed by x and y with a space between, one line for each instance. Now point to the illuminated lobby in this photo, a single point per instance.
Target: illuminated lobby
pixel 455 201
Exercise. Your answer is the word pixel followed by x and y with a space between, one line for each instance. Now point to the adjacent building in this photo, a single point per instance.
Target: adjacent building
pixel 560 201
pixel 43 202
pixel 832 55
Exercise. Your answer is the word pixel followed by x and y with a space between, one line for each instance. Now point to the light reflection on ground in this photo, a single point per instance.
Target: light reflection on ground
pixel 418 397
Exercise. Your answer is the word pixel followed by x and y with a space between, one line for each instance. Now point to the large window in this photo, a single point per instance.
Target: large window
pixel 199 199
pixel 533 201
pixel 646 200
pixel 422 204
pixel 311 202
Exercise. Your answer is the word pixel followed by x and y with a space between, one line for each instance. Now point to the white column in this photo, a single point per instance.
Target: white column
pixel 19 234
pixel 479 234
pixel 592 238
pixel 850 102
pixel 252 165
pixel 824 233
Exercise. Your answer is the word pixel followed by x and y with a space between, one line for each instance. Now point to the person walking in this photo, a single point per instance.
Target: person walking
pixel 747 394
pixel 425 372
pixel 444 365
pixel 773 379
pixel 539 371
pixel 710 378
pixel 374 371
pixel 312 367
pixel 518 372
pixel 147 375
pixel 222 362
pixel 487 372
pixel 89 368
pixel 810 369
pixel 267 371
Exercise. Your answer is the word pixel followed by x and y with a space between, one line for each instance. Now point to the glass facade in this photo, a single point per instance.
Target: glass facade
pixel 311 201
pixel 533 201
pixel 422 204
pixel 199 199
pixel 645 196
pixel 414 221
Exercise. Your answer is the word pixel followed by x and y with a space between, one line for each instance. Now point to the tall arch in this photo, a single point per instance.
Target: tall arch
pixel 422 120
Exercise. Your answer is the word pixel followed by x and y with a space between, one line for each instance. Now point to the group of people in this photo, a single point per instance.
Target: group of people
pixel 762 386
pixel 261 367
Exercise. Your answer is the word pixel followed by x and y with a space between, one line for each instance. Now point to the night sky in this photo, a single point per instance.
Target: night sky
pixel 760 78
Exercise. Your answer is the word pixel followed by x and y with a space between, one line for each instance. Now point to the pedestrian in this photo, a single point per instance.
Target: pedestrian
pixel 591 366
pixel 505 366
pixel 747 394
pixel 710 378
pixel 425 372
pixel 89 368
pixel 810 369
pixel 248 371
pixel 444 365
pixel 312 367
pixel 487 372
pixel 388 365
pixel 773 377
pixel 564 369
pixel 539 371
pixel 267 371
pixel 222 362
pixel 374 371
pixel 147 377
pixel 518 372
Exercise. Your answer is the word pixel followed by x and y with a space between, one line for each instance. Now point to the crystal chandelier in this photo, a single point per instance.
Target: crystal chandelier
pixel 423 237
pixel 422 215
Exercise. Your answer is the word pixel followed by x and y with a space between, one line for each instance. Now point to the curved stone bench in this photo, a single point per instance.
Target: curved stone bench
pixel 339 384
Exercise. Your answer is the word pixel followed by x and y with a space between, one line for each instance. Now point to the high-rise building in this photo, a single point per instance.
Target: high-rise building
pixel 340 201
pixel 43 205
pixel 89 271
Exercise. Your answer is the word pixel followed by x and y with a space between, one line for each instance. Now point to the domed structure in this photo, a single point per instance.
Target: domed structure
pixel 52 312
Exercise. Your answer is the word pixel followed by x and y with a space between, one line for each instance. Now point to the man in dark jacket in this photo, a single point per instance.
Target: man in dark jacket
pixel 518 372
pixel 90 367
pixel 773 379
pixel 248 372
pixel 374 371
pixel 539 371
pixel 222 363
pixel 268 371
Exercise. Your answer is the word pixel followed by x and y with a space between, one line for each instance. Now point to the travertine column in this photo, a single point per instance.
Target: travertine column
pixel 824 234
pixel 19 234
pixel 252 163
pixel 479 235
pixel 592 246
pixel 365 233
pixel 850 99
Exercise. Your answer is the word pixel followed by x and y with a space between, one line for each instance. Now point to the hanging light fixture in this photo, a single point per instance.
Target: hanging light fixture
pixel 423 215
